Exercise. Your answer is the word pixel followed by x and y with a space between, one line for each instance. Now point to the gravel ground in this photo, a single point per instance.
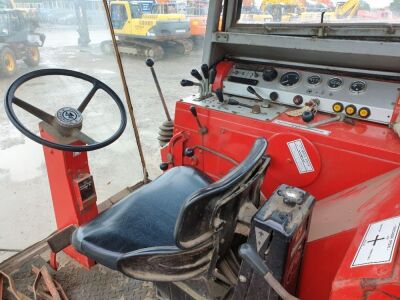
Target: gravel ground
pixel 26 213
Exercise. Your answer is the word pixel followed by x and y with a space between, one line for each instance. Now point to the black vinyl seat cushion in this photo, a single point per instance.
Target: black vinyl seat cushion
pixel 146 218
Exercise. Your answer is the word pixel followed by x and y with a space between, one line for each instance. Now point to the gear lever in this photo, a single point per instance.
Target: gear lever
pixel 202 129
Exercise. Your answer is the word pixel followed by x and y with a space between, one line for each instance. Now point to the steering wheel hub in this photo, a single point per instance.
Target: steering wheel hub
pixel 69 117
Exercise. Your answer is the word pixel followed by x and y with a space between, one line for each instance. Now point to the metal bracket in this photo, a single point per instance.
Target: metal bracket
pixel 222 37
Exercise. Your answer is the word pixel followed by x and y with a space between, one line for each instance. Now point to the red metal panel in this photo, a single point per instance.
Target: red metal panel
pixel 346 158
pixel 63 168
pixel 349 155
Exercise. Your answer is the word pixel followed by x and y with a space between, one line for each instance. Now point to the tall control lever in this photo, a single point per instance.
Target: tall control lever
pixel 202 129
pixel 251 90
pixel 251 257
pixel 150 64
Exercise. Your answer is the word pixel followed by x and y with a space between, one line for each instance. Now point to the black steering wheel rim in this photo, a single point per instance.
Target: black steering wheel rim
pixel 10 96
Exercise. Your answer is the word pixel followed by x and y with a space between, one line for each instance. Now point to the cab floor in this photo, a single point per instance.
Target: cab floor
pixel 80 283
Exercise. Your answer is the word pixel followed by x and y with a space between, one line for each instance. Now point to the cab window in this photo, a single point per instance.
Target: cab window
pixel 118 15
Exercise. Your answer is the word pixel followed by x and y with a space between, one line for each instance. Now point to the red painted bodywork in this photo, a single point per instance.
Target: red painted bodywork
pixel 354 162
pixel 63 170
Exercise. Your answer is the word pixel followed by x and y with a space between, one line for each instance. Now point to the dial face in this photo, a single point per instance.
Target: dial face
pixel 358 86
pixel 314 79
pixel 290 78
pixel 335 83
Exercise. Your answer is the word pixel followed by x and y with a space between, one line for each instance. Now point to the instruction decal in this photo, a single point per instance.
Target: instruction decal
pixel 378 244
pixel 261 237
pixel 300 156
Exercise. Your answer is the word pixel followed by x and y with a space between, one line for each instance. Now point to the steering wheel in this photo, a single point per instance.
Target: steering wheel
pixel 68 121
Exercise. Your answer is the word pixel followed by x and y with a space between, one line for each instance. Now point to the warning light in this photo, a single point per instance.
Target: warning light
pixel 337 107
pixel 351 109
pixel 364 112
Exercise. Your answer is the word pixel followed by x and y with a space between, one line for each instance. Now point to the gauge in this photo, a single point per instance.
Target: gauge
pixel 335 83
pixel 358 86
pixel 290 78
pixel 314 79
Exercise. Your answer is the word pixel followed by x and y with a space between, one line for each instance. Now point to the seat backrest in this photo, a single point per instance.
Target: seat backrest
pixel 214 209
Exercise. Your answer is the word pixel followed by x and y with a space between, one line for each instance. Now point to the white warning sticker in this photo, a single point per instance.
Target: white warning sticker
pixel 261 237
pixel 300 156
pixel 378 244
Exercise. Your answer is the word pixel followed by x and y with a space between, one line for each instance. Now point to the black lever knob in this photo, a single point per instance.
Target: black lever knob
pixel 307 116
pixel 220 95
pixel 185 82
pixel 205 71
pixel 196 75
pixel 149 62
pixel 213 74
pixel 189 152
pixel 251 90
pixel 164 166
pixel 193 110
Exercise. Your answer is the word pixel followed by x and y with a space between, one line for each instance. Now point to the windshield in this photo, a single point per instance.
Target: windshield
pixel 313 11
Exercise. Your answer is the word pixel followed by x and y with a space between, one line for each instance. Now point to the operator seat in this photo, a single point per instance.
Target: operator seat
pixel 175 227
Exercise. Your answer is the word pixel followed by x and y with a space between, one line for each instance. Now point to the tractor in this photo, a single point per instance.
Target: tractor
pixel 280 177
pixel 18 40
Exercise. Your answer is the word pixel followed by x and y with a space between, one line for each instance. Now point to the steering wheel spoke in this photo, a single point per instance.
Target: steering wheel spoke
pixel 88 98
pixel 37 112
pixel 83 137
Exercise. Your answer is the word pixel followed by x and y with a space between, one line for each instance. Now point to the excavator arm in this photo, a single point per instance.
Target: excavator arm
pixel 347 9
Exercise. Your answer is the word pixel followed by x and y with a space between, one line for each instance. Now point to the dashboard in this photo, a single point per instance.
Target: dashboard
pixel 358 96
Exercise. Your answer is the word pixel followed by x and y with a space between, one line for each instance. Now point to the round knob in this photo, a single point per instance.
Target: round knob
pixel 298 100
pixel 307 116
pixel 149 62
pixel 189 152
pixel 270 74
pixel 274 96
pixel 164 166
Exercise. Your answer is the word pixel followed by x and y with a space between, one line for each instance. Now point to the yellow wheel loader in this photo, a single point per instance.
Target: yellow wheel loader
pixel 147 28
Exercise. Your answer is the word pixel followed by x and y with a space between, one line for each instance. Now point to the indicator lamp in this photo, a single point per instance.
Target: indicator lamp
pixel 364 112
pixel 350 109
pixel 337 107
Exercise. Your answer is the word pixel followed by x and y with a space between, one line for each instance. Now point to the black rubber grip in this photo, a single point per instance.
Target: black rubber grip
pixel 251 90
pixel 193 110
pixel 220 95
pixel 185 82
pixel 149 62
pixel 250 256
pixel 205 71
pixel 196 75
pixel 213 74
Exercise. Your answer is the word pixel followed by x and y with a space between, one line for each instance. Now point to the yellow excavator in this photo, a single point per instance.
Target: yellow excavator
pixel 147 28
pixel 343 10
pixel 283 10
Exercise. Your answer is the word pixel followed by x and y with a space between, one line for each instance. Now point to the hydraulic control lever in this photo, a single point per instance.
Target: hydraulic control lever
pixel 251 90
pixel 220 95
pixel 167 128
pixel 251 257
pixel 337 118
pixel 150 64
pixel 202 129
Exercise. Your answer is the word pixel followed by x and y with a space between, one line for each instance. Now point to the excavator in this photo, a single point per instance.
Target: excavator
pixel 283 11
pixel 280 179
pixel 147 28
pixel 343 10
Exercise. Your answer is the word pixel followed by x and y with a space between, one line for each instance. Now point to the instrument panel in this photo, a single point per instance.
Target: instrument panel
pixel 370 99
